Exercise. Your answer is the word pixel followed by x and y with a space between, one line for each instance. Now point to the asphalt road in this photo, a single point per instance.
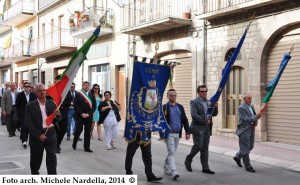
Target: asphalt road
pixel 103 161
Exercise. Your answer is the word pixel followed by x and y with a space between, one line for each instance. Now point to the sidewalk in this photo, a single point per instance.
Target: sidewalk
pixel 276 154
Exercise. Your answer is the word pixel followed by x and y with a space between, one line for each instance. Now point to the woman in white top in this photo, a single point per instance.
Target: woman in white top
pixel 109 116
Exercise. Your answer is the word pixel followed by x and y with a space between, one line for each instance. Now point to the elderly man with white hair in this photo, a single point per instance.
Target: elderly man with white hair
pixel 246 131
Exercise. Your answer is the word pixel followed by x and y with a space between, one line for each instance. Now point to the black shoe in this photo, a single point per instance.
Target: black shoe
pixel 79 139
pixel 208 171
pixel 129 172
pixel 74 146
pixel 238 161
pixel 88 150
pixel 175 177
pixel 24 144
pixel 251 170
pixel 10 135
pixel 188 166
pixel 57 151
pixel 58 148
pixel 13 134
pixel 154 179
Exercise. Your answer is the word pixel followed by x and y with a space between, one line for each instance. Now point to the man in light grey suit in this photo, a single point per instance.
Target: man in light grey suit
pixel 246 132
pixel 9 110
pixel 201 128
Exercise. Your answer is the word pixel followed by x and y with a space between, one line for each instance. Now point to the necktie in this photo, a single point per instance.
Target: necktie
pixel 73 95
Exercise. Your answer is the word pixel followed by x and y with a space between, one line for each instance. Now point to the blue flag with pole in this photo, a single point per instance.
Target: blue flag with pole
pixel 226 73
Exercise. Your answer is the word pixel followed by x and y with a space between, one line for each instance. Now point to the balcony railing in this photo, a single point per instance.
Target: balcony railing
pixel 214 5
pixel 17 52
pixel 54 43
pixel 20 7
pixel 44 3
pixel 217 8
pixel 145 11
pixel 145 17
pixel 83 22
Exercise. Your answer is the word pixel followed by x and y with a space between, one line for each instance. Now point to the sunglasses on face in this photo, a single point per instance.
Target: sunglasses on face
pixel 172 95
pixel 203 91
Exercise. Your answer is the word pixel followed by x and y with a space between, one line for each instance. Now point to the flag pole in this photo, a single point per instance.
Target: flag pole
pixel 264 105
pixel 102 21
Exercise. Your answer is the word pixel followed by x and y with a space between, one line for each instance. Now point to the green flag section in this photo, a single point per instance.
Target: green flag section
pixel 273 83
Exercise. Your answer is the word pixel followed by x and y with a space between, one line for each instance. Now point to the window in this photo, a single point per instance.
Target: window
pixel 99 51
pixel 25 75
pixel 5 76
pixel 35 76
pixel 230 52
pixel 100 75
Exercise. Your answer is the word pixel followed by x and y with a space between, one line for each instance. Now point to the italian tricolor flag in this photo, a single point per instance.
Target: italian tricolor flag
pixel 60 89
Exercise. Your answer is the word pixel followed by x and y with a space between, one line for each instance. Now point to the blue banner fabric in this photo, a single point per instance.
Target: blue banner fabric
pixel 144 112
pixel 226 73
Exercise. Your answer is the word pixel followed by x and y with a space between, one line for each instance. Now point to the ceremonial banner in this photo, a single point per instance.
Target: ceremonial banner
pixel 273 83
pixel 60 89
pixel 226 73
pixel 144 112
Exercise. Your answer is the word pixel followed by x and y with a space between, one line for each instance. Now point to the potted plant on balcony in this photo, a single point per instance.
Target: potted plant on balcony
pixel 2 58
pixel 71 22
pixel 85 17
pixel 187 13
pixel 78 15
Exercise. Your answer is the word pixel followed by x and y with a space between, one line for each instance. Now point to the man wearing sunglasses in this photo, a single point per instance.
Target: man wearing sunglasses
pixel 176 118
pixel 201 128
pixel 23 98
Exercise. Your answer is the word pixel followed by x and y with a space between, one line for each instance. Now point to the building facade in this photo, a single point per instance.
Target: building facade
pixel 201 35
pixel 273 32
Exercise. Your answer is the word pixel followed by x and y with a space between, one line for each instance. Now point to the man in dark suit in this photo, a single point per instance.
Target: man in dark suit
pixel 201 128
pixel 42 136
pixel 246 132
pixel 8 106
pixel 71 126
pixel 67 112
pixel 23 98
pixel 176 118
pixel 3 89
pixel 63 109
pixel 85 106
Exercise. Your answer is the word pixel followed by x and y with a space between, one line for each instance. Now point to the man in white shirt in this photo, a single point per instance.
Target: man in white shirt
pixel 42 136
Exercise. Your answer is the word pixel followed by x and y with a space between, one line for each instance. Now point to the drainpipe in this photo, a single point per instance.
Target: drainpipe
pixel 204 51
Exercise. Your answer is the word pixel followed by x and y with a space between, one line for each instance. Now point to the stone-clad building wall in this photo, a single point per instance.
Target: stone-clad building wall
pixel 225 33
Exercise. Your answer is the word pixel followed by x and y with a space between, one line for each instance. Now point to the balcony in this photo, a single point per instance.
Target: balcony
pixel 3 28
pixel 83 24
pixel 3 57
pixel 44 5
pixel 145 17
pixel 18 52
pixel 19 12
pixel 212 9
pixel 55 43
